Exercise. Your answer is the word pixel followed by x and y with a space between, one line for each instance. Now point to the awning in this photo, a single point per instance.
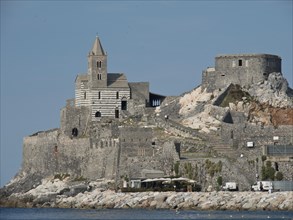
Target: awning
pixel 156 180
pixel 168 180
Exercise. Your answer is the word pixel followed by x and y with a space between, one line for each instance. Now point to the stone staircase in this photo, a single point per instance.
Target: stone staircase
pixel 221 147
pixel 178 128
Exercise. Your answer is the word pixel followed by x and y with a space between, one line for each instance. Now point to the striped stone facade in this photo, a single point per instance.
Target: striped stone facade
pixel 108 103
pixel 82 94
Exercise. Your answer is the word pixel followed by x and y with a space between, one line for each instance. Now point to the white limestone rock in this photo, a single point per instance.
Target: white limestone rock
pixel 273 91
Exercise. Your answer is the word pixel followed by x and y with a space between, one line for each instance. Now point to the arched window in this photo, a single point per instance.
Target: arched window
pixel 74 132
pixel 98 114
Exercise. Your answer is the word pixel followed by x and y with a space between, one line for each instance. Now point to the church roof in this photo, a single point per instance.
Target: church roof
pixel 97 48
pixel 81 77
pixel 114 80
pixel 117 80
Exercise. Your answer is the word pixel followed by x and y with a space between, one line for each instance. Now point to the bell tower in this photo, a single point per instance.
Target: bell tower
pixel 97 66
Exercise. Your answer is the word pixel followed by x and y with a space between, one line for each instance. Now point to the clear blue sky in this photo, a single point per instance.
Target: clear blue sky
pixel 44 45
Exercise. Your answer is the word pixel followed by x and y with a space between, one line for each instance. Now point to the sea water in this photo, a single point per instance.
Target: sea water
pixel 54 213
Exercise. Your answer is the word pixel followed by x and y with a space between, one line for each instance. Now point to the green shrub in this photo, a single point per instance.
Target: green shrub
pixel 212 167
pixel 279 176
pixel 176 168
pixel 220 181
pixel 61 176
pixel 188 170
pixel 79 178
pixel 268 172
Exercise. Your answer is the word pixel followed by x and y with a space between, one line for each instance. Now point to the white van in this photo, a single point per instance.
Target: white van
pixel 230 186
pixel 262 186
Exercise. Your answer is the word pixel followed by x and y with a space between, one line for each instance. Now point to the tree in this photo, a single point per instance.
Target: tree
pixel 271 173
pixel 279 176
pixel 176 168
pixel 268 172
pixel 220 180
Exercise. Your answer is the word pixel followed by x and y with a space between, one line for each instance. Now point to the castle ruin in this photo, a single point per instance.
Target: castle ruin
pixel 240 69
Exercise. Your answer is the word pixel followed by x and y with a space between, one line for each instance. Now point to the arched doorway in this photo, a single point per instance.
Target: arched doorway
pixel 98 114
pixel 124 104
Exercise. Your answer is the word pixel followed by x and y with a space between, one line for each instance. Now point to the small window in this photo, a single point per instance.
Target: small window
pixel 84 95
pixel 239 62
pixel 99 95
pixel 99 76
pixel 117 95
pixel 98 114
pixel 74 132
pixel 99 64
pixel 116 113
pixel 276 166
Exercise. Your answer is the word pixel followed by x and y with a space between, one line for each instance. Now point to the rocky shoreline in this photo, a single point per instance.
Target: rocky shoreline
pixel 60 194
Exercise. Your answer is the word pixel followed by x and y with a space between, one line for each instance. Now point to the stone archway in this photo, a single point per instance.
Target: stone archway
pixel 98 114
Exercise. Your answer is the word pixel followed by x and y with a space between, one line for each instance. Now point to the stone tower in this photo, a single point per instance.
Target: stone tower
pixel 97 66
pixel 241 69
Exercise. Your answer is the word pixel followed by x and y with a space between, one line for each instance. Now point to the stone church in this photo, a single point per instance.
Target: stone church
pixel 99 94
pixel 109 94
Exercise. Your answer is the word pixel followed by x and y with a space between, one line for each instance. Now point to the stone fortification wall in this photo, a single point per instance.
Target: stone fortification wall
pixel 239 135
pixel 249 63
pixel 135 149
pixel 49 153
pixel 260 135
pixel 242 69
pixel 140 97
pixel 39 153
pixel 140 91
pixel 286 168
pixel 141 150
pixel 107 151
pixel 74 117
